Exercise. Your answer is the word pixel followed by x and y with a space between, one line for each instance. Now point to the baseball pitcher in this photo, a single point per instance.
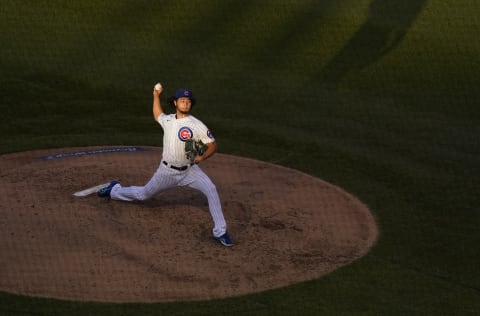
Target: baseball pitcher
pixel 186 143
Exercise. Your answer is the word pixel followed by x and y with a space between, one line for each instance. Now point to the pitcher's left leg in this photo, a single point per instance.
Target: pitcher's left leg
pixel 198 180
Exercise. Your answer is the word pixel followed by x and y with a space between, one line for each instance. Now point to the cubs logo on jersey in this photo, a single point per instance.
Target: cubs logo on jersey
pixel 209 134
pixel 185 133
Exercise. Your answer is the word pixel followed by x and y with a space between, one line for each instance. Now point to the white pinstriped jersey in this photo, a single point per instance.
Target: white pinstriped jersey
pixel 176 131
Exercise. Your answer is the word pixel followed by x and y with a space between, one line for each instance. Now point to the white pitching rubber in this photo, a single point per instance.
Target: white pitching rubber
pixel 90 190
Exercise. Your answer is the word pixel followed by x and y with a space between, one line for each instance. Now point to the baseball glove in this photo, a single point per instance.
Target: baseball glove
pixel 194 148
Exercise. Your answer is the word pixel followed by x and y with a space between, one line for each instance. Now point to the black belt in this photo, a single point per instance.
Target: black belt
pixel 182 168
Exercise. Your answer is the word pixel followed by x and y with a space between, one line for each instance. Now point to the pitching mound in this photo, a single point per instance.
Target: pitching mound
pixel 287 227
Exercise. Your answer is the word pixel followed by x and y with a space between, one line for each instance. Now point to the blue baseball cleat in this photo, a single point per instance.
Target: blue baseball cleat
pixel 225 240
pixel 105 191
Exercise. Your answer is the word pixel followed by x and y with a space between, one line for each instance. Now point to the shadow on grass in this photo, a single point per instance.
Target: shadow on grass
pixel 387 24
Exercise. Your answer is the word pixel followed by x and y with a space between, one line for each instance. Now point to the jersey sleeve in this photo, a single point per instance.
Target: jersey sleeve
pixel 161 119
pixel 204 134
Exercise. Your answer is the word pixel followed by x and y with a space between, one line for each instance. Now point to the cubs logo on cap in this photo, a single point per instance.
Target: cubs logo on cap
pixel 185 133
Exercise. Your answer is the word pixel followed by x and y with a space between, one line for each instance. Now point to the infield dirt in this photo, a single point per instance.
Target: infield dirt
pixel 287 226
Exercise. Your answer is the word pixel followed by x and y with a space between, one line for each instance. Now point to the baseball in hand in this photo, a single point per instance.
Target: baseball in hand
pixel 158 86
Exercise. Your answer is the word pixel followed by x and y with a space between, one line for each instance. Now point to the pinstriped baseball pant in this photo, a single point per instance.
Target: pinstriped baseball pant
pixel 166 178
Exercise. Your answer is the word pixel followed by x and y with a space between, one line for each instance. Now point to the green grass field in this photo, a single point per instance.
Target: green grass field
pixel 379 97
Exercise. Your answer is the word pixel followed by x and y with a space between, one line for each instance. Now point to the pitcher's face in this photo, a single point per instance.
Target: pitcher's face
pixel 183 105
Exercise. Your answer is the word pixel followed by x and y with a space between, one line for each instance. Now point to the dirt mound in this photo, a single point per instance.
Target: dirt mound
pixel 287 227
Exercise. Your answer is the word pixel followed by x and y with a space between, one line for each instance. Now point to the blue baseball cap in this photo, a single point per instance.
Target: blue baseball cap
pixel 182 93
